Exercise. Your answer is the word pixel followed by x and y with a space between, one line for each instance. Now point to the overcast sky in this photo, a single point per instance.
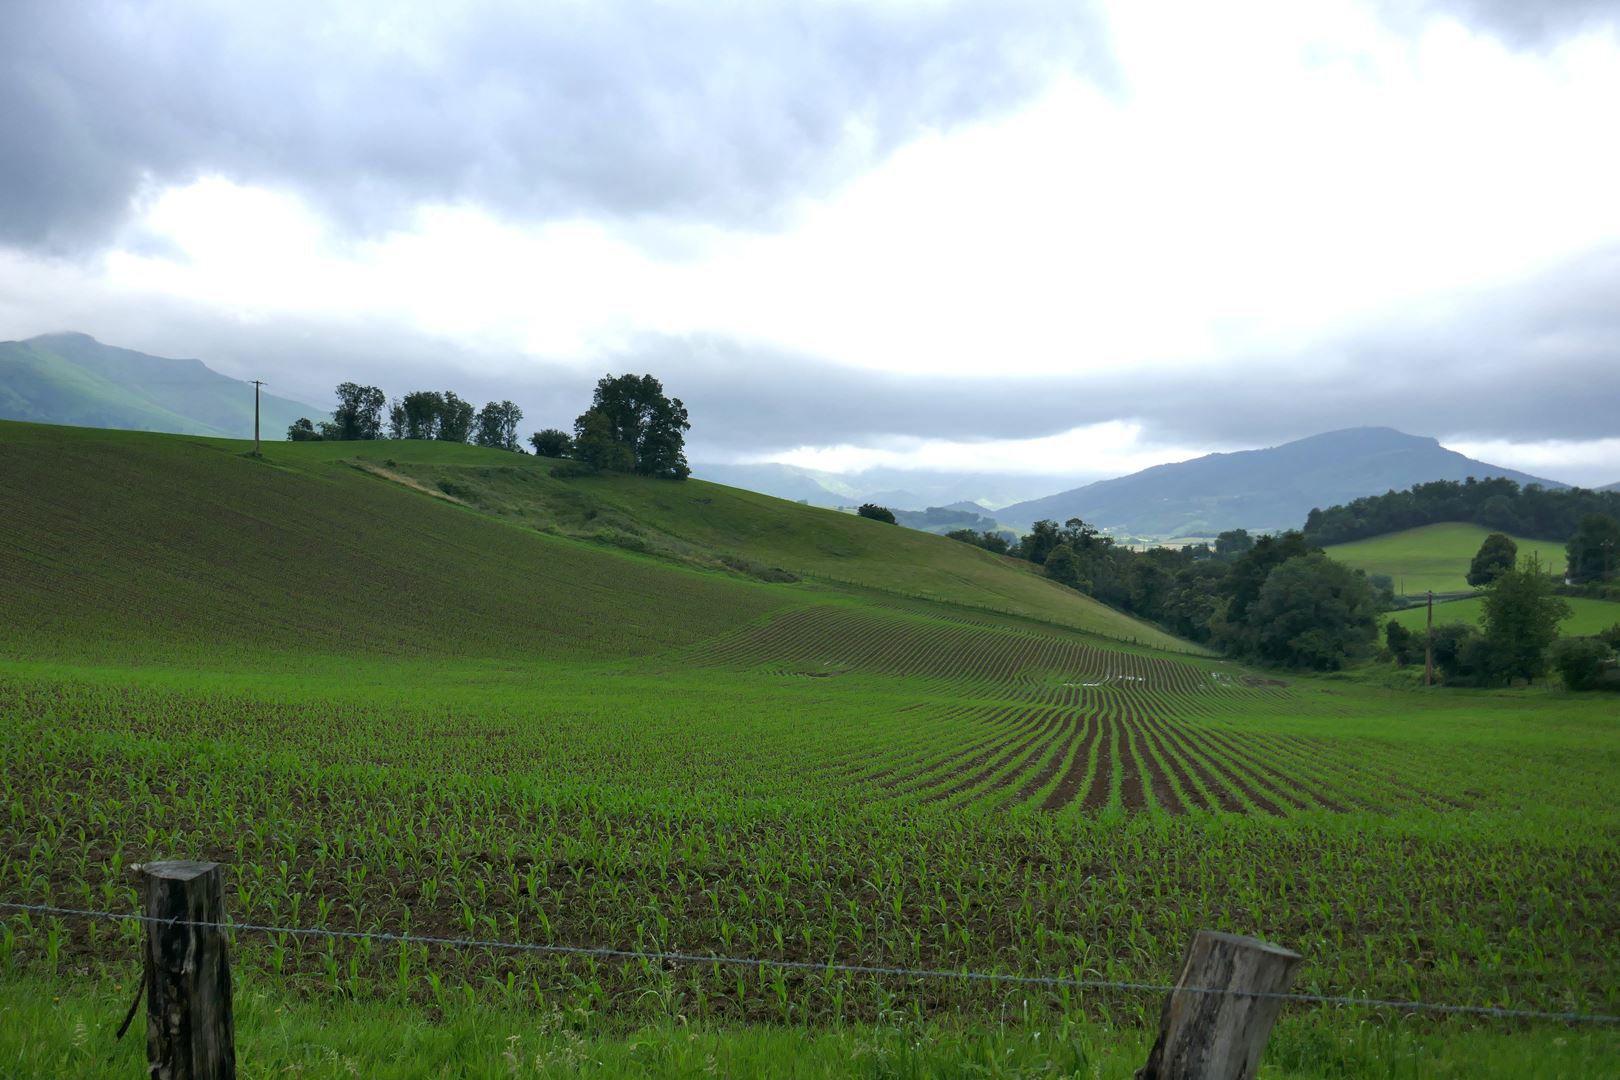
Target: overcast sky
pixel 1016 235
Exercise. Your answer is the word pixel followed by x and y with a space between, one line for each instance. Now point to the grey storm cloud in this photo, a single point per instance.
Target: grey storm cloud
pixel 1534 23
pixel 695 110
pixel 1533 361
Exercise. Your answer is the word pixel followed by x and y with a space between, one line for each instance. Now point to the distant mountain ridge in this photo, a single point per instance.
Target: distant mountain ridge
pixel 1261 490
pixel 76 380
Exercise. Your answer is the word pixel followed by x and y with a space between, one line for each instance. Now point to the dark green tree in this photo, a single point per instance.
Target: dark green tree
pixel 595 444
pixel 1313 612
pixel 1063 566
pixel 1404 645
pixel 551 443
pixel 455 419
pixel 496 426
pixel 359 412
pixel 1460 654
pixel 1594 551
pixel 301 430
pixel 1039 542
pixel 418 415
pixel 1495 557
pixel 1584 663
pixel 1244 581
pixel 876 512
pixel 1521 619
pixel 639 416
pixel 1233 543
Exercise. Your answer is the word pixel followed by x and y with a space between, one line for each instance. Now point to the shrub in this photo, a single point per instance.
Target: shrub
pixel 876 513
pixel 1583 662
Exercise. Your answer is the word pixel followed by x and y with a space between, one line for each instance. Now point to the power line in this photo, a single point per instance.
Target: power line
pixel 607 953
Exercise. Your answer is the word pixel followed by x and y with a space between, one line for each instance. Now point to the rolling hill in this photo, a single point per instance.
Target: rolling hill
pixel 389 546
pixel 1434 556
pixel 1259 490
pixel 75 379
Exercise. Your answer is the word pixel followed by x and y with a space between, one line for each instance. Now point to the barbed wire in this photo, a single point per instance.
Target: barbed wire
pixel 830 966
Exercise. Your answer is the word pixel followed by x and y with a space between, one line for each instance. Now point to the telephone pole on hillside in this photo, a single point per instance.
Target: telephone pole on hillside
pixel 1428 646
pixel 256 385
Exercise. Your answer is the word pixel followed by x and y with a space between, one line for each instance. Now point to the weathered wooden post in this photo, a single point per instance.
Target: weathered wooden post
pixel 1213 1027
pixel 189 1031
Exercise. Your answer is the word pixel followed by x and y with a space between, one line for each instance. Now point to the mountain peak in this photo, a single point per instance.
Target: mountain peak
pixel 1261 490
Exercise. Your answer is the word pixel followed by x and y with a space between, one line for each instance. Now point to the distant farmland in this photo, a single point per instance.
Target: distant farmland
pixel 1587 616
pixel 552 711
pixel 1435 556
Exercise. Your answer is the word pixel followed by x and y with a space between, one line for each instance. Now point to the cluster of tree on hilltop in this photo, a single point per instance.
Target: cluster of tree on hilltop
pixel 1496 503
pixel 631 426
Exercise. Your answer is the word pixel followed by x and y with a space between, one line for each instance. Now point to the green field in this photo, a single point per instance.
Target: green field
pixel 457 696
pixel 1586 617
pixel 1435 556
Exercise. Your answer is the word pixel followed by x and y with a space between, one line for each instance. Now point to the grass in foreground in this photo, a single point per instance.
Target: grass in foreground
pixel 1435 556
pixel 51 1029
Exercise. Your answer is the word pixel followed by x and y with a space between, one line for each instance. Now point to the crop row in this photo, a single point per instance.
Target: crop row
pixel 470 848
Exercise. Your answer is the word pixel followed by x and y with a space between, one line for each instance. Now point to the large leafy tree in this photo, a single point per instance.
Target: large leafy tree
pixel 633 426
pixel 1594 550
pixel 1313 612
pixel 429 414
pixel 455 419
pixel 496 425
pixel 549 442
pixel 358 414
pixel 1495 557
pixel 596 443
pixel 1038 543
pixel 1063 566
pixel 1521 619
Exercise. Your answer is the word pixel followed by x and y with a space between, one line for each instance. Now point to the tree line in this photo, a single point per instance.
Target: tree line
pixel 630 426
pixel 1281 600
pixel 1271 599
pixel 1496 503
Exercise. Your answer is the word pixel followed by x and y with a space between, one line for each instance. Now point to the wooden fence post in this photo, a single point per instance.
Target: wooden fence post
pixel 1220 1035
pixel 189 1031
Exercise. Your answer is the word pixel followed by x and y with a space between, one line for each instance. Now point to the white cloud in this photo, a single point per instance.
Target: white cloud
pixel 1589 462
pixel 1094 450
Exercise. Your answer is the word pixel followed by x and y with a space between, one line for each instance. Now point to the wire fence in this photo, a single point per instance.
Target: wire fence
pixel 830 966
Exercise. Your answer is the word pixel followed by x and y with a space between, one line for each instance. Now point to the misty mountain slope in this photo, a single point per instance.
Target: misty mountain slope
pixel 74 379
pixel 1269 489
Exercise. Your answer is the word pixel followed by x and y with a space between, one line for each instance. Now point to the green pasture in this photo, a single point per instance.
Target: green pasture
pixel 457 696
pixel 1434 557
pixel 1586 618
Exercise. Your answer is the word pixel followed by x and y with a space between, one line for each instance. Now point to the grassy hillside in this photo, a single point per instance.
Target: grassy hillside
pixel 1434 556
pixel 75 379
pixel 422 548
pixel 711 525
pixel 1586 617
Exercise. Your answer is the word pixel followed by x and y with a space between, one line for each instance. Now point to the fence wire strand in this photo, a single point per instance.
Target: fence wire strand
pixel 831 966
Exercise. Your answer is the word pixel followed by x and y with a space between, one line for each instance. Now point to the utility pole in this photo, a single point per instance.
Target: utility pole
pixel 1428 646
pixel 256 385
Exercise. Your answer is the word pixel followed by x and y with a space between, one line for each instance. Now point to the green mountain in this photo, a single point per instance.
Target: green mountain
pixel 1269 489
pixel 75 379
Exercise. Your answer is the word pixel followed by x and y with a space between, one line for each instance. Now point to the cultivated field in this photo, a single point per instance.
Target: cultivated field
pixel 415 716
pixel 1435 556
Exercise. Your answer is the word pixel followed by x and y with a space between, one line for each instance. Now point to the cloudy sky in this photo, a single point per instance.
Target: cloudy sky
pixel 1016 235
